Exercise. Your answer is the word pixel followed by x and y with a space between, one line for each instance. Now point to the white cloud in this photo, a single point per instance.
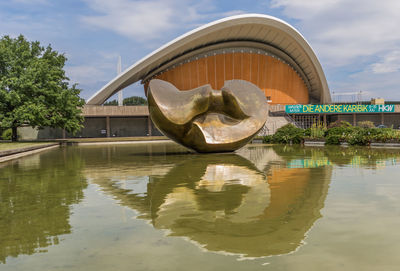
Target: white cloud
pixel 137 19
pixel 144 20
pixel 103 68
pixel 357 41
pixel 344 30
pixel 389 64
pixel 372 85
pixel 85 74
pixel 312 6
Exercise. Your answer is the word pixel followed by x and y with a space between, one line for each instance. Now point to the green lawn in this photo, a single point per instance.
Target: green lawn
pixel 17 145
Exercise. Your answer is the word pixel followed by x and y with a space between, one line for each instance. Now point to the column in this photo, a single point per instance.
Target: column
pixel 354 120
pixel 149 125
pixel 108 129
pixel 382 119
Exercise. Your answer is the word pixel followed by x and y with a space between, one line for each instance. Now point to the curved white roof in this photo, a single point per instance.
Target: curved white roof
pixel 248 27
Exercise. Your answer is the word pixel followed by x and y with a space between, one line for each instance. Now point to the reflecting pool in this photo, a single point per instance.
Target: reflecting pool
pixel 159 207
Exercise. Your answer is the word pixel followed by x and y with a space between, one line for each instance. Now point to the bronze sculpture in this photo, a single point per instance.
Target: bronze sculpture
pixel 208 120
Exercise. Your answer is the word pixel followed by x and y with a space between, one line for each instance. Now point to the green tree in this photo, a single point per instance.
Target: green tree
pixel 34 89
pixel 112 102
pixel 134 100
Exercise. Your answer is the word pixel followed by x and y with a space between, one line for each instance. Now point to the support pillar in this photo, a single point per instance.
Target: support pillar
pixel 149 125
pixel 108 129
pixel 382 119
pixel 324 120
pixel 354 119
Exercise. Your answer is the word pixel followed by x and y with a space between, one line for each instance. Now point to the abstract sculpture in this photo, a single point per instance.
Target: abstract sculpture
pixel 208 120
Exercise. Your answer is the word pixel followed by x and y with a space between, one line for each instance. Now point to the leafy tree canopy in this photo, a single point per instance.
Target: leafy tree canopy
pixel 134 100
pixel 34 89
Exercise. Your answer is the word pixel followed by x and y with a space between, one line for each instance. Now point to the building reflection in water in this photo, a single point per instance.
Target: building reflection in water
pixel 260 201
pixel 249 203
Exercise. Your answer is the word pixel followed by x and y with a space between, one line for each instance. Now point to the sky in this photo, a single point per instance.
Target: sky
pixel 356 41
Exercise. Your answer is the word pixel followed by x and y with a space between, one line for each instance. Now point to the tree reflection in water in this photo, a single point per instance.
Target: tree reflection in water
pixel 36 194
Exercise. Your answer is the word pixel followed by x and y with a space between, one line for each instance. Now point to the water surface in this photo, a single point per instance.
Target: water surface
pixel 160 207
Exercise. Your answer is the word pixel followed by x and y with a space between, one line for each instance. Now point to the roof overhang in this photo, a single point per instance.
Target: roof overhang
pixel 256 28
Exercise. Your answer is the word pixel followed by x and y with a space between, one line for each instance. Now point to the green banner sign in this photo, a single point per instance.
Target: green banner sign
pixel 308 163
pixel 338 108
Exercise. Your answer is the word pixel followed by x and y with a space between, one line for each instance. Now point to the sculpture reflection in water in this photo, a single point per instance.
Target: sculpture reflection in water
pixel 225 203
pixel 208 120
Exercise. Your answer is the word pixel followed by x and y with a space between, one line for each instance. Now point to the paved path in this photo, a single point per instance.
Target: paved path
pixel 19 152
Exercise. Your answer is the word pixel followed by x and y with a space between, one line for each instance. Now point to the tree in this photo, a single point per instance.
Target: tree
pixel 34 89
pixel 112 102
pixel 134 100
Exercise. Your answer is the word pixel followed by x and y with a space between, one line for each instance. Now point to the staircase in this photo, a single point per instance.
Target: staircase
pixel 275 121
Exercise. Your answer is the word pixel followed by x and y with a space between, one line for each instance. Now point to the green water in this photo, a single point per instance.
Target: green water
pixel 158 207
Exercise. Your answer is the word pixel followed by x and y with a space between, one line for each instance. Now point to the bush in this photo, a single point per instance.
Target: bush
pixel 288 134
pixel 7 134
pixel 366 124
pixel 384 134
pixel 333 139
pixel 340 123
pixel 317 130
pixel 360 138
pixel 343 131
pixel 267 139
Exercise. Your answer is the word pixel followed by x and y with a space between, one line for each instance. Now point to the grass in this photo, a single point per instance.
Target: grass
pixel 6 146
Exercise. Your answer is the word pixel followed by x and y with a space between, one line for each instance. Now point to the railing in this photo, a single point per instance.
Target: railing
pixel 293 121
pixel 264 130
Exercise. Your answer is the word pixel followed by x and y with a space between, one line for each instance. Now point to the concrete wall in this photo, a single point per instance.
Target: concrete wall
pixel 29 133
pixel 115 111
pixel 392 119
pixel 375 118
pixel 96 127
pixel 124 127
pixel 139 126
pixel 348 118
pixel 92 127
pixel 155 131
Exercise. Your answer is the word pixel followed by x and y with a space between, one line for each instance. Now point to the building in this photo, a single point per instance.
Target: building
pixel 258 48
pixel 254 47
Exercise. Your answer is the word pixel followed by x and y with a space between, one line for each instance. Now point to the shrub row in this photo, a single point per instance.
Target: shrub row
pixel 334 134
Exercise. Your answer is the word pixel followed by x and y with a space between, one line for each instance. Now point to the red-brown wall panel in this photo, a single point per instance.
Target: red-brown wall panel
pixel 277 79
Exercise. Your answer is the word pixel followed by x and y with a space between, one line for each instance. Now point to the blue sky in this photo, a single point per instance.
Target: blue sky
pixel 357 41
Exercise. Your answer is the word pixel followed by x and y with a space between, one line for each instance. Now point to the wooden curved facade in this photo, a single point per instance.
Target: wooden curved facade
pixel 279 81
